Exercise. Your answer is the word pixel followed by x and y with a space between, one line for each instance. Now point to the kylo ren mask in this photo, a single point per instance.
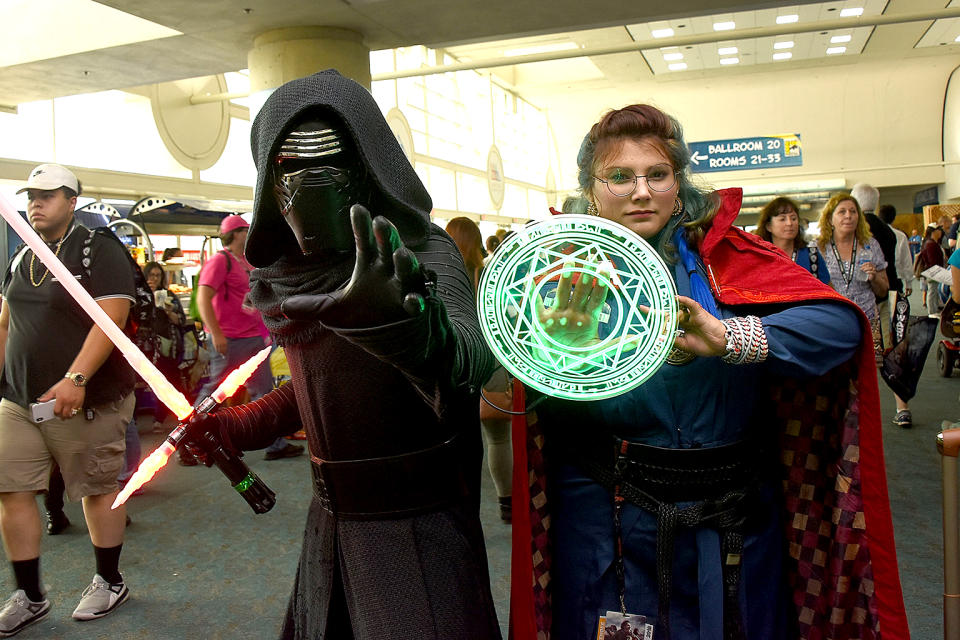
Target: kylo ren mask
pixel 318 175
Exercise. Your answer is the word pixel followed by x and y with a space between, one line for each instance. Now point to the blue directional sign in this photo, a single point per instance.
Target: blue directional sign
pixel 760 152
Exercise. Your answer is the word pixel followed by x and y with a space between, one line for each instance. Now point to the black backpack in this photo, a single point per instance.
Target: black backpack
pixel 147 325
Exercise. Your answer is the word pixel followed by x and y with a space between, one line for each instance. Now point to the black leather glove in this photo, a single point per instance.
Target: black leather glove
pixel 247 427
pixel 387 284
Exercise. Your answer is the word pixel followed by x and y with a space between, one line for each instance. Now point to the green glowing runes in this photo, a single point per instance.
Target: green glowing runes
pixel 635 327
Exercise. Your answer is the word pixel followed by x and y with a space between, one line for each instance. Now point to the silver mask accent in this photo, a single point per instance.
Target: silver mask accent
pixel 310 144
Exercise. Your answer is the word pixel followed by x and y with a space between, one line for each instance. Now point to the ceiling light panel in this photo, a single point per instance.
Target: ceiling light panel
pixel 854 46
pixel 850 9
pixel 809 45
pixel 940 33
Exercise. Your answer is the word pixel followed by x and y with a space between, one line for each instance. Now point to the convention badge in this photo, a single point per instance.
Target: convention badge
pixel 619 626
pixel 630 312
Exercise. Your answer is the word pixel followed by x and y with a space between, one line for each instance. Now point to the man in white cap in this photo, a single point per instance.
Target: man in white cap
pixel 236 330
pixel 51 351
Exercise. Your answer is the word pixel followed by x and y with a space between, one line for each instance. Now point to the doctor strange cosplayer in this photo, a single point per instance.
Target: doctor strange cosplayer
pixel 386 356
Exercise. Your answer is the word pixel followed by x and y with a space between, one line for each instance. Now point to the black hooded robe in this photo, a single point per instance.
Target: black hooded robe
pixel 377 392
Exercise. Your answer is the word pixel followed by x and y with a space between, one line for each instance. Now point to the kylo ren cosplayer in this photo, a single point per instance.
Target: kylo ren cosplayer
pixel 386 356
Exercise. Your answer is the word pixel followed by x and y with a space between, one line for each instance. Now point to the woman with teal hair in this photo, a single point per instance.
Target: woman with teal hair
pixel 691 499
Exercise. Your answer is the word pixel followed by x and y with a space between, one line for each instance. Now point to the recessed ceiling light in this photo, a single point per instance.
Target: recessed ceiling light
pixel 833 50
pixel 782 55
pixel 839 39
pixel 662 33
pixel 851 12
pixel 542 48
pixel 729 60
pixel 726 51
pixel 788 19
pixel 677 66
pixel 673 56
pixel 787 44
pixel 724 26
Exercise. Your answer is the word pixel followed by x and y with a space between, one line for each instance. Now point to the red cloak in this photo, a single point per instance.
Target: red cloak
pixel 837 525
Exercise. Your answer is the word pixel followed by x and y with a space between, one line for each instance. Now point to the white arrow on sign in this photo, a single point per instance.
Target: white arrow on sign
pixel 696 157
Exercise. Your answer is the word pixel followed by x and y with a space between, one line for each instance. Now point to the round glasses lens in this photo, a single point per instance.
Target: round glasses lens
pixel 620 182
pixel 661 177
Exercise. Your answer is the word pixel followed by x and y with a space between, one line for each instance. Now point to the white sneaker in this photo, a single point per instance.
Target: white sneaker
pixel 20 612
pixel 100 598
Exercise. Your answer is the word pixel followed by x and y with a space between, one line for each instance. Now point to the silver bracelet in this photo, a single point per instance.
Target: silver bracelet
pixel 746 340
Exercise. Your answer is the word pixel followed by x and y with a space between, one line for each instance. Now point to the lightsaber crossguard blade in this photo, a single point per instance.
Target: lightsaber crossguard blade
pixel 257 494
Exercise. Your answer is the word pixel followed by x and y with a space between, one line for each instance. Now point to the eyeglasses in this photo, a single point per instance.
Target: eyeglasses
pixel 623 182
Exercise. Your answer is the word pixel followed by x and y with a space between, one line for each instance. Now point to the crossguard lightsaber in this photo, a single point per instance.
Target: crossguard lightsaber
pixel 257 494
pixel 158 383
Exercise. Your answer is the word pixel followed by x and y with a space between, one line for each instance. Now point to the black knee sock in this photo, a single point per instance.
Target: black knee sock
pixel 108 563
pixel 27 575
pixel 53 498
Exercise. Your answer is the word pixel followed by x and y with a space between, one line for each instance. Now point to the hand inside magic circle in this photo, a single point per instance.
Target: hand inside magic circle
pixel 573 317
pixel 387 284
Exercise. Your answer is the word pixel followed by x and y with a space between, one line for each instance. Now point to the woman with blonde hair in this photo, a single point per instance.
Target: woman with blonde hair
pixel 779 224
pixel 852 255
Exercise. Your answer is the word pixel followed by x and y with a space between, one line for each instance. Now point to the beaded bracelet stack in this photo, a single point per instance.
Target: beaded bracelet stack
pixel 746 341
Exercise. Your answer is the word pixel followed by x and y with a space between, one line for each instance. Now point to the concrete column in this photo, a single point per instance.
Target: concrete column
pixel 281 55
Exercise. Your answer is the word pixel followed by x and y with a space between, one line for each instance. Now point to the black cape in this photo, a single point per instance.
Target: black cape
pixel 374 392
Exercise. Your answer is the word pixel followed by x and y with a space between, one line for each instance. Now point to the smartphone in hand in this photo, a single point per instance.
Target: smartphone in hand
pixel 42 411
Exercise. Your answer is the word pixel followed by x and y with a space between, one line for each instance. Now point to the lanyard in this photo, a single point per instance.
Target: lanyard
pixel 618 500
pixel 847 277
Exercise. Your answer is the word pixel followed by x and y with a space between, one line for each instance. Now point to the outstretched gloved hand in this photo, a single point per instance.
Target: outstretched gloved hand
pixel 387 284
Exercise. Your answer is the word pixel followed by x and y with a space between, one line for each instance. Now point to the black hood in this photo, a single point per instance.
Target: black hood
pixel 398 189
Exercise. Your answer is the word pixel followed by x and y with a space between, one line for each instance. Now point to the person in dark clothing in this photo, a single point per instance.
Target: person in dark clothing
pixel 378 326
pixel 868 196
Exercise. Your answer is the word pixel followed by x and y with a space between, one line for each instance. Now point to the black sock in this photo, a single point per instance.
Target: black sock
pixel 108 563
pixel 27 575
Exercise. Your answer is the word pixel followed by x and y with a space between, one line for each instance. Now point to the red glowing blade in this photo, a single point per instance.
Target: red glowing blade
pixel 147 469
pixel 239 375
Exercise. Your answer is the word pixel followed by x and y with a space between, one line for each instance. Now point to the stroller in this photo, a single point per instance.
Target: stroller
pixel 948 350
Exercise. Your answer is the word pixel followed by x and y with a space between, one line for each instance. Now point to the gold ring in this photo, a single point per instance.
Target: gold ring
pixel 75 412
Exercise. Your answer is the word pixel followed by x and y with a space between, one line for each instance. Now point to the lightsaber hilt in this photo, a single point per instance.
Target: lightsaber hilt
pixel 247 483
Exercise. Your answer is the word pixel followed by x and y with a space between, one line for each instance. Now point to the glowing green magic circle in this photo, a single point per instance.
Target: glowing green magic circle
pixel 635 325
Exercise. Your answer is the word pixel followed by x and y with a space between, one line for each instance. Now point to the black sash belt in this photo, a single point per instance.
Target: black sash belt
pixel 720 481
pixel 390 487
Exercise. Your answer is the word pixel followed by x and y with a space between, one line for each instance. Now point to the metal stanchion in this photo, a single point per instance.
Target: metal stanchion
pixel 948 444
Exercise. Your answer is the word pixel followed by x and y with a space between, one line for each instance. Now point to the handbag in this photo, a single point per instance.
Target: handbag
pixel 901 318
pixel 497 391
pixel 903 365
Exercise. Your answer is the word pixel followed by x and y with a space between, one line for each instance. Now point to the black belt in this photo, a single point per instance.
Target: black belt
pixel 390 487
pixel 720 481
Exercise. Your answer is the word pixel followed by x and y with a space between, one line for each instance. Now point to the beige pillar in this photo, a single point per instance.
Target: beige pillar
pixel 282 55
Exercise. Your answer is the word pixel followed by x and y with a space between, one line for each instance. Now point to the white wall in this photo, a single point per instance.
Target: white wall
pixel 951 140
pixel 852 118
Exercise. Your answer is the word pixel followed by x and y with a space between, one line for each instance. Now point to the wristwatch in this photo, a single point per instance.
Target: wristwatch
pixel 78 379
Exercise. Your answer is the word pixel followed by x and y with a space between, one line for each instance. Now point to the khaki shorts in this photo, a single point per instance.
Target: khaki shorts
pixel 90 452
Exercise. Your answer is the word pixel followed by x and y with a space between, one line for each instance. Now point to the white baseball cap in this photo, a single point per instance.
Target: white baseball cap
pixel 51 176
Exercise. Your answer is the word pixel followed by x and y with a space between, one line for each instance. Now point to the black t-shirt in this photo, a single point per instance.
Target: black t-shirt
pixel 47 327
pixel 888 245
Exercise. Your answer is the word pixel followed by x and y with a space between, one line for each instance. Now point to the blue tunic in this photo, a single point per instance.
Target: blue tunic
pixel 803 259
pixel 705 403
